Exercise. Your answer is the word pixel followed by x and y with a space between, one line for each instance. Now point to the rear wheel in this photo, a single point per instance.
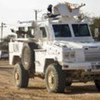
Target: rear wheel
pixel 97 83
pixel 55 78
pixel 21 77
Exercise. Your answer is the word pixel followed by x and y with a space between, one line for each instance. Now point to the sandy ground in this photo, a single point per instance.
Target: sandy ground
pixel 37 91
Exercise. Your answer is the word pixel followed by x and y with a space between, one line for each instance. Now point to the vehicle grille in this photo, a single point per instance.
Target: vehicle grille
pixel 92 56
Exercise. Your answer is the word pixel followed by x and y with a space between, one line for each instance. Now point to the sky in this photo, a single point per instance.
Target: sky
pixel 11 11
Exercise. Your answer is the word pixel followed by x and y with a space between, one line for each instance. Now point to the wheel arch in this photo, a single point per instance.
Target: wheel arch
pixel 16 59
pixel 48 62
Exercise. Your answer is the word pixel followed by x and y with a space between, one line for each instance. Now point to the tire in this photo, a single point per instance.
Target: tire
pixel 21 76
pixel 28 58
pixel 68 83
pixel 97 84
pixel 55 78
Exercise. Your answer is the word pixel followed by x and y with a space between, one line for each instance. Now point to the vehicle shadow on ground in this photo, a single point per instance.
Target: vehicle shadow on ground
pixel 72 90
pixel 81 89
pixel 37 88
pixel 4 68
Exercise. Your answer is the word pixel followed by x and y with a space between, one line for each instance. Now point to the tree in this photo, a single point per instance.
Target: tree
pixel 96 24
pixel 5 41
pixel 7 38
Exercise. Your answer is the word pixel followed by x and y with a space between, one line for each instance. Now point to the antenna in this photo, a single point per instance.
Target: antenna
pixel 36 13
pixel 3 25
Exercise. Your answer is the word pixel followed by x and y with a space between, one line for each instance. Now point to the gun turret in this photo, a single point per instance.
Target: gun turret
pixel 67 9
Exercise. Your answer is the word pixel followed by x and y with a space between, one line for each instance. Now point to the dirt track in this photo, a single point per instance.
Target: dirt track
pixel 37 91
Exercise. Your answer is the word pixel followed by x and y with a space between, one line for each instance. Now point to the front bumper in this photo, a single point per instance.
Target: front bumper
pixel 83 72
pixel 86 66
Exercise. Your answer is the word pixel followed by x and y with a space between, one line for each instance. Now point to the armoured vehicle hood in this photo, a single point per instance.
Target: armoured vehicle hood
pixel 78 45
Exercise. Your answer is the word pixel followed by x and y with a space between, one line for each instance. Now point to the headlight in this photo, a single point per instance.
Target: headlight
pixel 66 55
pixel 72 54
pixel 69 55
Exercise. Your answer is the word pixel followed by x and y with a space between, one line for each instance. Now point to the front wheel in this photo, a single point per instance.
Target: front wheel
pixel 55 78
pixel 21 76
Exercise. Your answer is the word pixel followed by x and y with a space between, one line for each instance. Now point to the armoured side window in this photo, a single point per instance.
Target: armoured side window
pixel 43 32
pixel 30 32
pixel 20 32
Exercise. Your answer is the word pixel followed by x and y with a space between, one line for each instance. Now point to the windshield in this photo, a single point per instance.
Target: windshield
pixel 62 30
pixel 81 30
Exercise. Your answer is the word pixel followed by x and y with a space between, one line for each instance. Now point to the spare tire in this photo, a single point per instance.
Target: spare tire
pixel 28 57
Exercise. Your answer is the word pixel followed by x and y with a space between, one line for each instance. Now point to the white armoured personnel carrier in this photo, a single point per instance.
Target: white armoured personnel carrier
pixel 60 49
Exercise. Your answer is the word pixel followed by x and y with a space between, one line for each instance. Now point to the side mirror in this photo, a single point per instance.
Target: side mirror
pixel 12 30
